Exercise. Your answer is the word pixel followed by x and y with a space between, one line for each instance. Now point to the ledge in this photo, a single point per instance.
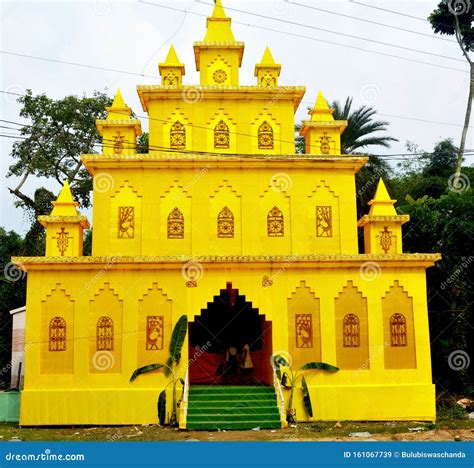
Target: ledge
pixel 94 162
pixel 367 219
pixel 216 262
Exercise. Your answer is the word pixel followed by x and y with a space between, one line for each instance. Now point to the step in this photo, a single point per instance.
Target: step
pixel 194 409
pixel 230 389
pixel 230 418
pixel 232 397
pixel 241 425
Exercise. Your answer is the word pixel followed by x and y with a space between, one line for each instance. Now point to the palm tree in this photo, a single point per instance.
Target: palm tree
pixel 361 127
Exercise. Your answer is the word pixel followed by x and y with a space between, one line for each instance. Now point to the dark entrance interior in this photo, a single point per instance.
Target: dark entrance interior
pixel 229 321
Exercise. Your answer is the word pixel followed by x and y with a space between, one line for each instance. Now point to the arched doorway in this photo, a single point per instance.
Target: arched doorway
pixel 229 321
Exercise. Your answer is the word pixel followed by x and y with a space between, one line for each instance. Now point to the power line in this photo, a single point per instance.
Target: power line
pixel 389 11
pixel 431 36
pixel 351 36
pixel 302 36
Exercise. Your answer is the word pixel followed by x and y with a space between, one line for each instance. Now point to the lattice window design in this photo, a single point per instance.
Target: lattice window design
pixel 177 136
pixel 221 135
pixel 268 80
pixel 265 136
pixel 351 331
pixel 225 223
pixel 119 140
pixel 170 79
pixel 323 221
pixel 105 334
pixel 57 334
pixel 386 239
pixel 275 223
pixel 304 330
pixel 62 241
pixel 398 330
pixel 325 143
pixel 126 222
pixel 154 332
pixel 176 224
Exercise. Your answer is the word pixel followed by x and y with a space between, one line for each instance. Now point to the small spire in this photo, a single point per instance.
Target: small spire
pixel 321 110
pixel 172 57
pixel 267 58
pixel 65 204
pixel 218 10
pixel 118 109
pixel 382 204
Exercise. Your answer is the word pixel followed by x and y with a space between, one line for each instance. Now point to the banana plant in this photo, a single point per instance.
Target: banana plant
pixel 289 380
pixel 169 368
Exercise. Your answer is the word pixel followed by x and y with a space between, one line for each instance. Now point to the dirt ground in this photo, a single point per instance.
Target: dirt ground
pixel 462 430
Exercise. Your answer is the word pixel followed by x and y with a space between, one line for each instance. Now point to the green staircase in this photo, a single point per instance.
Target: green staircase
pixel 212 407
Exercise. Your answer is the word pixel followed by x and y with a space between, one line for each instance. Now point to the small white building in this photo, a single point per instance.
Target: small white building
pixel 18 345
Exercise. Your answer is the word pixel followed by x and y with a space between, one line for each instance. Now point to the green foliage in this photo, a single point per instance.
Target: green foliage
pixel 290 379
pixel 12 296
pixel 162 407
pixel 176 345
pixel 142 143
pixel 443 20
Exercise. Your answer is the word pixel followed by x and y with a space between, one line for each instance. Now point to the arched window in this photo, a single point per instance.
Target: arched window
pixel 221 135
pixel 176 224
pixel 398 330
pixel 177 136
pixel 351 331
pixel 265 136
pixel 225 223
pixel 57 334
pixel 105 334
pixel 275 223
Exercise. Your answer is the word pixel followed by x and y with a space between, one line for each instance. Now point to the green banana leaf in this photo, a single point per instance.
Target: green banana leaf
pixel 285 380
pixel 168 364
pixel 177 338
pixel 162 407
pixel 279 361
pixel 306 398
pixel 144 370
pixel 319 366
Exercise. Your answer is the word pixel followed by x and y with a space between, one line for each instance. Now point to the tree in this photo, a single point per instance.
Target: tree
pixel 454 18
pixel 58 133
pixel 12 295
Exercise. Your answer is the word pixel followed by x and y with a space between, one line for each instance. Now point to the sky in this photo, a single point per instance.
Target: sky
pixel 423 102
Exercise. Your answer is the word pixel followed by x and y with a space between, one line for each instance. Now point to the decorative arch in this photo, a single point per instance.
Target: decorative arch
pixel 225 223
pixel 56 334
pixel 177 136
pixel 176 224
pixel 399 328
pixel 221 135
pixel 265 136
pixel 275 223
pixel 304 327
pixel 105 334
pixel 352 329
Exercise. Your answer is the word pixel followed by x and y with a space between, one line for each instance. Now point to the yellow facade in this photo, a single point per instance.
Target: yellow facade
pixel 220 198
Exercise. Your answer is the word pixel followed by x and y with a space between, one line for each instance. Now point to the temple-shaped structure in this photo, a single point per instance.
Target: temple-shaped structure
pixel 223 222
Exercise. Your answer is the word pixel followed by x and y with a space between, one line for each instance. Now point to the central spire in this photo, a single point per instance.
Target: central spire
pixel 218 26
